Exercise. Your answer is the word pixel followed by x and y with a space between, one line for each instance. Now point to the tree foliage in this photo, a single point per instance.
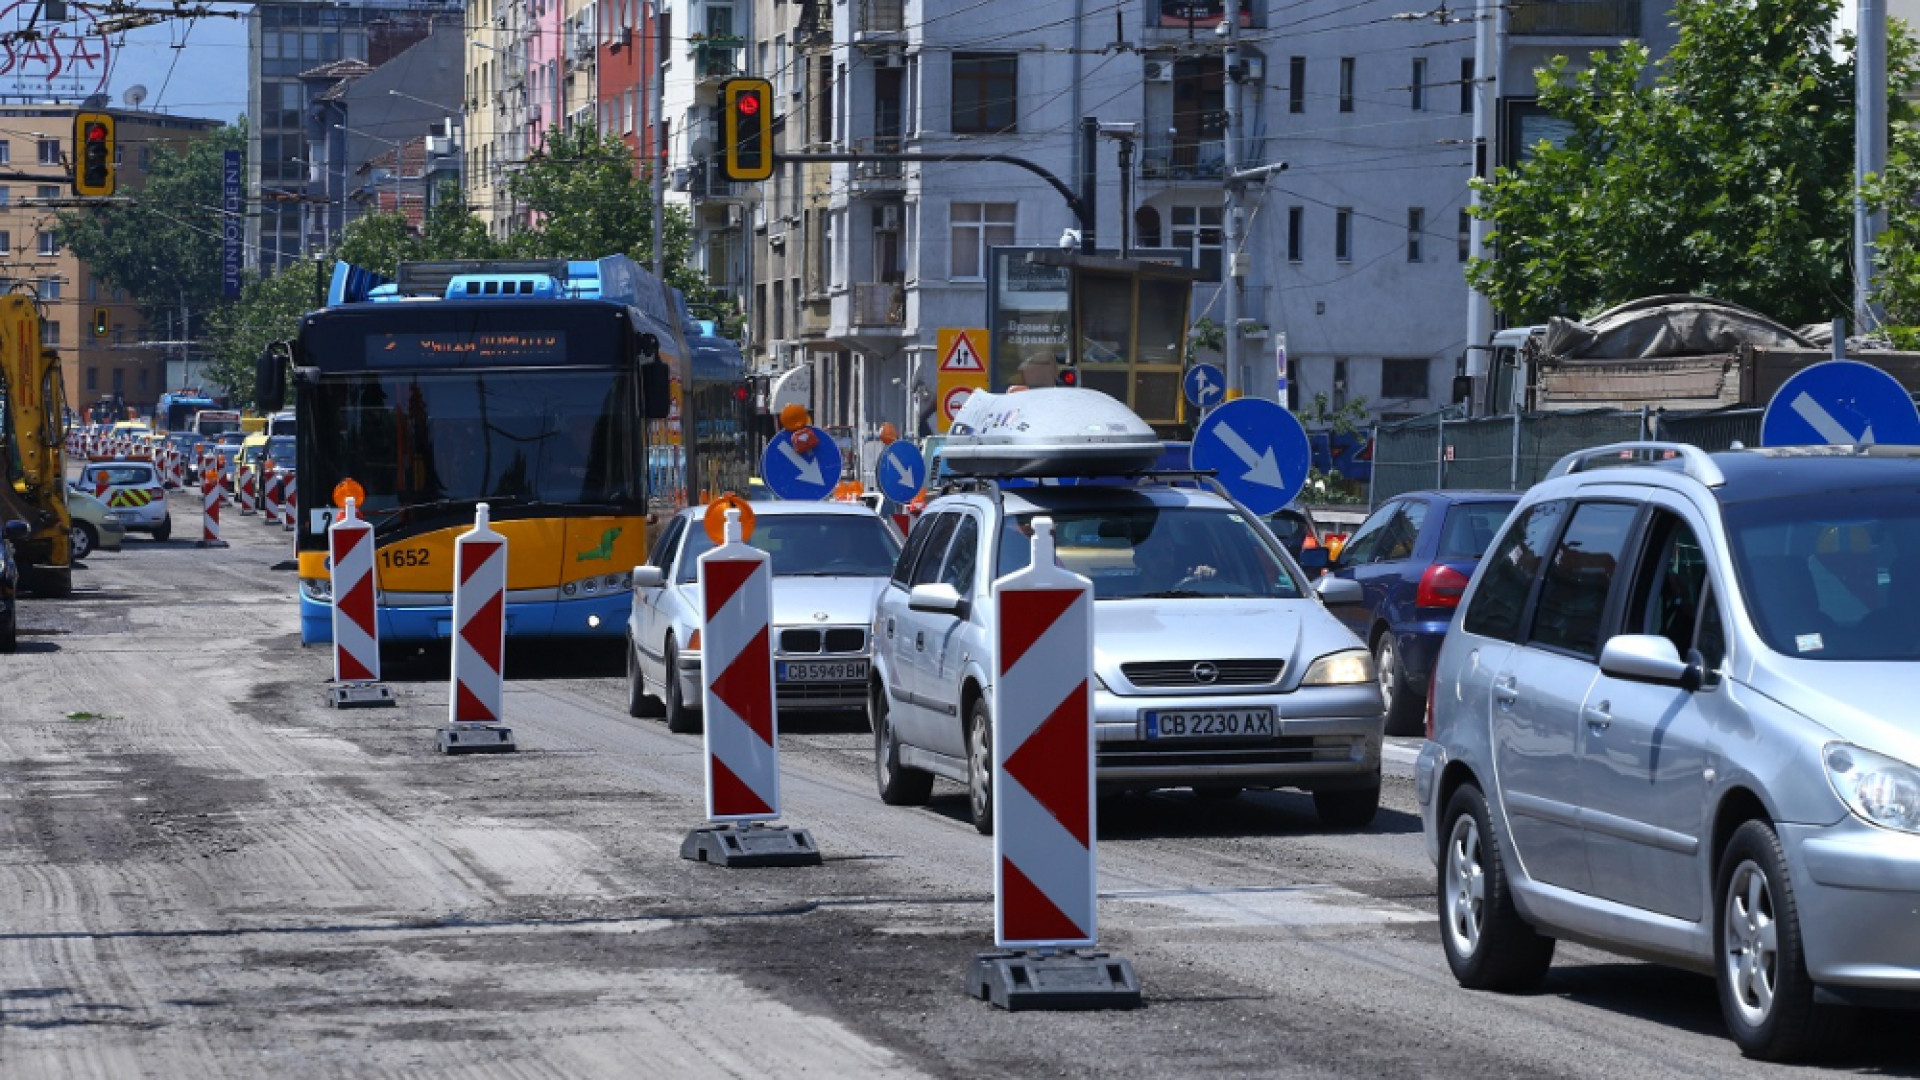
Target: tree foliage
pixel 269 310
pixel 1724 169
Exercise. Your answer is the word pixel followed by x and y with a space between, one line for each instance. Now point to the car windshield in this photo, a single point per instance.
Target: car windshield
pixel 1832 576
pixel 1144 552
pixel 810 545
pixel 1471 527
pixel 120 474
pixel 280 449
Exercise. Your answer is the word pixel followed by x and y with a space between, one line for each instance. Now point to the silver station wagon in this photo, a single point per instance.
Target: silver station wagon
pixel 1672 721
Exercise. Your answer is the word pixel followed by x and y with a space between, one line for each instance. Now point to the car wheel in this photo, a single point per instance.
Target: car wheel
pixel 899 785
pixel 164 529
pixel 82 539
pixel 980 767
pixel 639 702
pixel 1488 945
pixel 1406 711
pixel 680 719
pixel 1348 808
pixel 1766 995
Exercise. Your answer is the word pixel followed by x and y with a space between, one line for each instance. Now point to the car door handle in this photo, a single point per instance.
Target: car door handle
pixel 1506 691
pixel 889 628
pixel 1597 716
pixel 920 641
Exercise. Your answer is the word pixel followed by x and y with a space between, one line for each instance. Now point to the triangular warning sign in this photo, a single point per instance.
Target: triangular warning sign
pixel 962 357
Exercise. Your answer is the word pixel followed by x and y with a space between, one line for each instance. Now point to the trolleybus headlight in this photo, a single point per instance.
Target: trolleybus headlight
pixel 615 581
pixel 318 590
pixel 569 589
pixel 590 586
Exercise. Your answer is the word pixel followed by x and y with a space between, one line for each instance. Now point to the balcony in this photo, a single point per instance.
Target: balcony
pixel 1174 158
pixel 717 57
pixel 1575 18
pixel 880 304
pixel 880 20
pixel 707 182
pixel 879 176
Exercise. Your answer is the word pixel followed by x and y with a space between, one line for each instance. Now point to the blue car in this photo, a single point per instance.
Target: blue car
pixel 1413 557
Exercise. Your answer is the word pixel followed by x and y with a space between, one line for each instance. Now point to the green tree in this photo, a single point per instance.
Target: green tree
pixel 269 310
pixel 1725 169
pixel 162 243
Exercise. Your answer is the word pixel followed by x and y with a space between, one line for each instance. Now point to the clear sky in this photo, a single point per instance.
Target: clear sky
pixel 189 67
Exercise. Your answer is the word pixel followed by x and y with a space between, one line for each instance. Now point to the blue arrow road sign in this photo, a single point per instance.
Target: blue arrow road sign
pixel 791 474
pixel 1206 386
pixel 901 471
pixel 1257 449
pixel 1840 402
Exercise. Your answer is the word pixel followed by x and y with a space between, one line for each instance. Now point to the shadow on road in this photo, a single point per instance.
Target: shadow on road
pixel 27 646
pixel 526 661
pixel 1178 813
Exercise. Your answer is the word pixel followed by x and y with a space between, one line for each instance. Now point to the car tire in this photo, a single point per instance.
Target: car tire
pixel 1766 999
pixel 680 719
pixel 1488 945
pixel 980 767
pixel 1406 710
pixel 163 530
pixel 82 540
pixel 1348 808
pixel 640 703
pixel 899 785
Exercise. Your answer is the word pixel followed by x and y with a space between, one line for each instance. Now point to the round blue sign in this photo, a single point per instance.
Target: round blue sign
pixel 1205 386
pixel 901 471
pixel 791 474
pixel 1840 403
pixel 1257 450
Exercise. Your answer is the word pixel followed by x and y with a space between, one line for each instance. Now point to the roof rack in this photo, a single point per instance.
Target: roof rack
pixel 1690 459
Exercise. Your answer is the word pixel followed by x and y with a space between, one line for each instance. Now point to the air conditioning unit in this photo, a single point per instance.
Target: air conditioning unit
pixel 892 57
pixel 735 214
pixel 1255 68
pixel 441 145
pixel 533 114
pixel 583 48
pixel 1159 71
pixel 682 178
pixel 890 217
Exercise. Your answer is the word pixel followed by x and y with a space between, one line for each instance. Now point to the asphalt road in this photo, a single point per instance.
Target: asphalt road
pixel 205 872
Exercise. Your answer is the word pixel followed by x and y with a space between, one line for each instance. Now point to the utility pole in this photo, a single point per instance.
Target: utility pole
pixel 659 143
pixel 1489 56
pixel 1869 153
pixel 1230 213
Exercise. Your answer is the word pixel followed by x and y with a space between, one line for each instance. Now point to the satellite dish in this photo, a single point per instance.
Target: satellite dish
pixel 134 96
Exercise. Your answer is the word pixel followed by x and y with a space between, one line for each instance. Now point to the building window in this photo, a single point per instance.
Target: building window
pixel 6 196
pixel 143 379
pixel 93 378
pixel 1416 224
pixel 1466 84
pixel 1466 235
pixel 1346 84
pixel 119 380
pixel 49 288
pixel 46 192
pixel 1343 234
pixel 6 241
pixel 1297 84
pixel 1296 222
pixel 49 151
pixel 985 90
pixel 49 244
pixel 1419 87
pixel 1403 379
pixel 50 335
pixel 975 228
pixel 6 152
pixel 1197 229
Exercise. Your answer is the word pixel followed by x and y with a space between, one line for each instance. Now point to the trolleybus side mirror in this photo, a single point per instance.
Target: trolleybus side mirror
pixel 270 381
pixel 656 389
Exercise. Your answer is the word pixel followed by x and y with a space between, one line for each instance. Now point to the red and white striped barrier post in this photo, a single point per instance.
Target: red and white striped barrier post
pixel 290 503
pixel 270 503
pixel 742 729
pixel 210 510
pixel 356 623
pixel 479 642
pixel 248 491
pixel 1045 875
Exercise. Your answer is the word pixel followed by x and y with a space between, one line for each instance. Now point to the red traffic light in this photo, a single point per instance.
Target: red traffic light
pixel 749 103
pixel 96 133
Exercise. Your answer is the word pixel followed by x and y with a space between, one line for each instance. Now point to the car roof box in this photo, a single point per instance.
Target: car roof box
pixel 1051 431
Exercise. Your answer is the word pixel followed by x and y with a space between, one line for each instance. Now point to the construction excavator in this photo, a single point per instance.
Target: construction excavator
pixel 32 449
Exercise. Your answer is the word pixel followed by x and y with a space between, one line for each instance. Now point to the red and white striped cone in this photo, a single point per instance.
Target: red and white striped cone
pixel 356 623
pixel 276 486
pixel 249 503
pixel 742 739
pixel 479 642
pixel 210 510
pixel 290 503
pixel 1044 824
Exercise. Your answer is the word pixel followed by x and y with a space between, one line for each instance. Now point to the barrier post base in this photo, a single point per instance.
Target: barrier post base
pixel 476 739
pixel 210 543
pixel 362 695
pixel 750 844
pixel 1018 980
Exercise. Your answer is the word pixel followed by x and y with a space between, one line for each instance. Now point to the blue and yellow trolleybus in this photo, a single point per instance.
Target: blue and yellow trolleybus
pixel 535 387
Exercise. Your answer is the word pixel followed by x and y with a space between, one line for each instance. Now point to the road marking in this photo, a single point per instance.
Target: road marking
pixel 1825 425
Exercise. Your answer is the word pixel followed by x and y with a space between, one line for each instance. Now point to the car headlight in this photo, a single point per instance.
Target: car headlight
pixel 1340 669
pixel 1877 788
pixel 318 590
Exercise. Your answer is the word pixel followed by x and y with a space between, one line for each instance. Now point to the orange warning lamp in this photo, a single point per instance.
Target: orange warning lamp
pixel 793 416
pixel 715 519
pixel 888 434
pixel 806 438
pixel 349 489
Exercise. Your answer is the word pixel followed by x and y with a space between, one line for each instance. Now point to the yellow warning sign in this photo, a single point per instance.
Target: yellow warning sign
pixel 962 370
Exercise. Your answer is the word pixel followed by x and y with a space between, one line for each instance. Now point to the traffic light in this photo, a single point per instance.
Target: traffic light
pixel 102 322
pixel 93 154
pixel 747 128
pixel 1068 375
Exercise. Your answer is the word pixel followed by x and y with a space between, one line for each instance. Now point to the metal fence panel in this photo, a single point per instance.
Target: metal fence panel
pixel 1406 457
pixel 1718 429
pixel 1478 453
pixel 1547 437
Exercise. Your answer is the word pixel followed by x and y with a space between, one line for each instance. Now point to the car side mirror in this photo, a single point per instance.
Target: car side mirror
pixel 648 577
pixel 1314 560
pixel 939 598
pixel 1339 592
pixel 17 531
pixel 1651 658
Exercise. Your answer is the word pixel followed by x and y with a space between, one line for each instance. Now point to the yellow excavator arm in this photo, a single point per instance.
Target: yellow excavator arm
pixel 33 429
